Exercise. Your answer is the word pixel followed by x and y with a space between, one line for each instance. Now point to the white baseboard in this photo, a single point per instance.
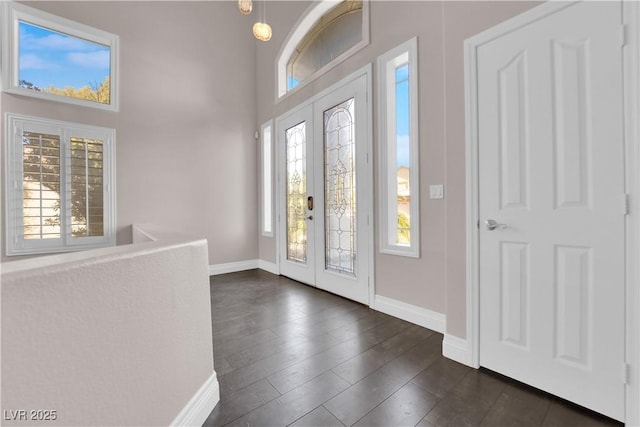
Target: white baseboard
pixel 232 267
pixel 271 267
pixel 411 313
pixel 455 348
pixel 196 412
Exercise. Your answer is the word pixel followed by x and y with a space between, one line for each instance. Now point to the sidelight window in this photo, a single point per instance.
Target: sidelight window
pixel 399 146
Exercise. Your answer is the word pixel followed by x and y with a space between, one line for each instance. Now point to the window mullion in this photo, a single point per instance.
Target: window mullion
pixel 64 187
pixel 86 186
pixel 41 177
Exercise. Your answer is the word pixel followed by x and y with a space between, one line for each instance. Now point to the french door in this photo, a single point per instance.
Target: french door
pixel 323 188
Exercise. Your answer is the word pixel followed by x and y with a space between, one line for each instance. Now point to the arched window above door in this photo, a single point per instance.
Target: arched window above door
pixel 329 32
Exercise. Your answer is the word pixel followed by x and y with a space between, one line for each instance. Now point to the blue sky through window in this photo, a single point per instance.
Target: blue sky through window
pixel 49 58
pixel 402 115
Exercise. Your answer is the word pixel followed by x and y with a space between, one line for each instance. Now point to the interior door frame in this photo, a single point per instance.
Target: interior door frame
pixel 365 72
pixel 630 36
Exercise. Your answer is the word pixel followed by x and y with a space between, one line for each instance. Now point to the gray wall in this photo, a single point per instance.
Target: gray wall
pixel 437 280
pixel 186 158
pixel 186 153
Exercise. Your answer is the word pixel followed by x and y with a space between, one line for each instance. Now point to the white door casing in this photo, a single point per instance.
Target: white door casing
pixel 545 138
pixel 317 270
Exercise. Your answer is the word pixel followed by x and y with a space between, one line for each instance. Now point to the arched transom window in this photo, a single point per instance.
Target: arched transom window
pixel 329 32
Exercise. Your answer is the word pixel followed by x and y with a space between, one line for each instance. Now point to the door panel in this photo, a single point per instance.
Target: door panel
pixel 296 191
pixel 551 176
pixel 341 152
pixel 296 160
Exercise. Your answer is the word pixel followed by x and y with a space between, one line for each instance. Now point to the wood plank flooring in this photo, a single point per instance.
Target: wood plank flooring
pixel 289 354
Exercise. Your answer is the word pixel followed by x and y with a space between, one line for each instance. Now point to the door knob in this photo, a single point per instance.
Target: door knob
pixel 310 217
pixel 492 225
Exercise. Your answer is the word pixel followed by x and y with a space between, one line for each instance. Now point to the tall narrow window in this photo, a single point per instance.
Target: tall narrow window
pixel 399 146
pixel 267 178
pixel 60 186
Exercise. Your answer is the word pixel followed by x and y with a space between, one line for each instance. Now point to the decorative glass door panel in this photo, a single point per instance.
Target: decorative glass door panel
pixel 340 188
pixel 296 192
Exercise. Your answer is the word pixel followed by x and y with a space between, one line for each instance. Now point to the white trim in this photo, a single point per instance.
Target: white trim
pixel 411 313
pixel 196 412
pixel 250 264
pixel 367 70
pixel 232 267
pixel 270 267
pixel 405 53
pixel 631 70
pixel 14 12
pixel 631 91
pixel 456 349
pixel 300 29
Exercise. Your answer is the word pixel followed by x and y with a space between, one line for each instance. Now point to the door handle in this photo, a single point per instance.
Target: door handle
pixel 310 203
pixel 310 217
pixel 492 225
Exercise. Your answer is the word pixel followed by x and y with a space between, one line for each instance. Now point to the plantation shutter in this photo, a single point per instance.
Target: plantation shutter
pixel 61 196
pixel 41 186
pixel 87 187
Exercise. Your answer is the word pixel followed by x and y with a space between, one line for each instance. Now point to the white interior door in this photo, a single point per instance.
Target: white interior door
pixel 324 230
pixel 551 205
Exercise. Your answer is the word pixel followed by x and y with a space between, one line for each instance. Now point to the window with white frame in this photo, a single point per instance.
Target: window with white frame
pixel 267 179
pixel 60 186
pixel 329 32
pixel 49 57
pixel 399 145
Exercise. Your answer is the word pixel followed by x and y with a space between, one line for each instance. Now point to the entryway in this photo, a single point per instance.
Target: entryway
pixel 324 191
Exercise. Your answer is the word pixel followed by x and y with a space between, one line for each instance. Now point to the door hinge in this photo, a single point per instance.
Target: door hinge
pixel 625 204
pixel 623 35
pixel 625 373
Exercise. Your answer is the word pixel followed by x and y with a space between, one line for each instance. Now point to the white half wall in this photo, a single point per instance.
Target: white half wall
pixel 111 337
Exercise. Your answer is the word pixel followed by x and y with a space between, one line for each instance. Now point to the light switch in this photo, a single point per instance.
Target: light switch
pixel 436 191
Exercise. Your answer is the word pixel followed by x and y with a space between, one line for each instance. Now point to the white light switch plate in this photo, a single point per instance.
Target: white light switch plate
pixel 436 191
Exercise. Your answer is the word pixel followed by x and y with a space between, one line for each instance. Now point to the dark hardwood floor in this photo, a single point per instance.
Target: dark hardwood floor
pixel 289 354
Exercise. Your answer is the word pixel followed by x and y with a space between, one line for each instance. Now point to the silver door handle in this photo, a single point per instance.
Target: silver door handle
pixel 310 217
pixel 492 225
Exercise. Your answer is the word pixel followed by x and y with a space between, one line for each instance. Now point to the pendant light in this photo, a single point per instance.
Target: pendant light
pixel 245 6
pixel 262 30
